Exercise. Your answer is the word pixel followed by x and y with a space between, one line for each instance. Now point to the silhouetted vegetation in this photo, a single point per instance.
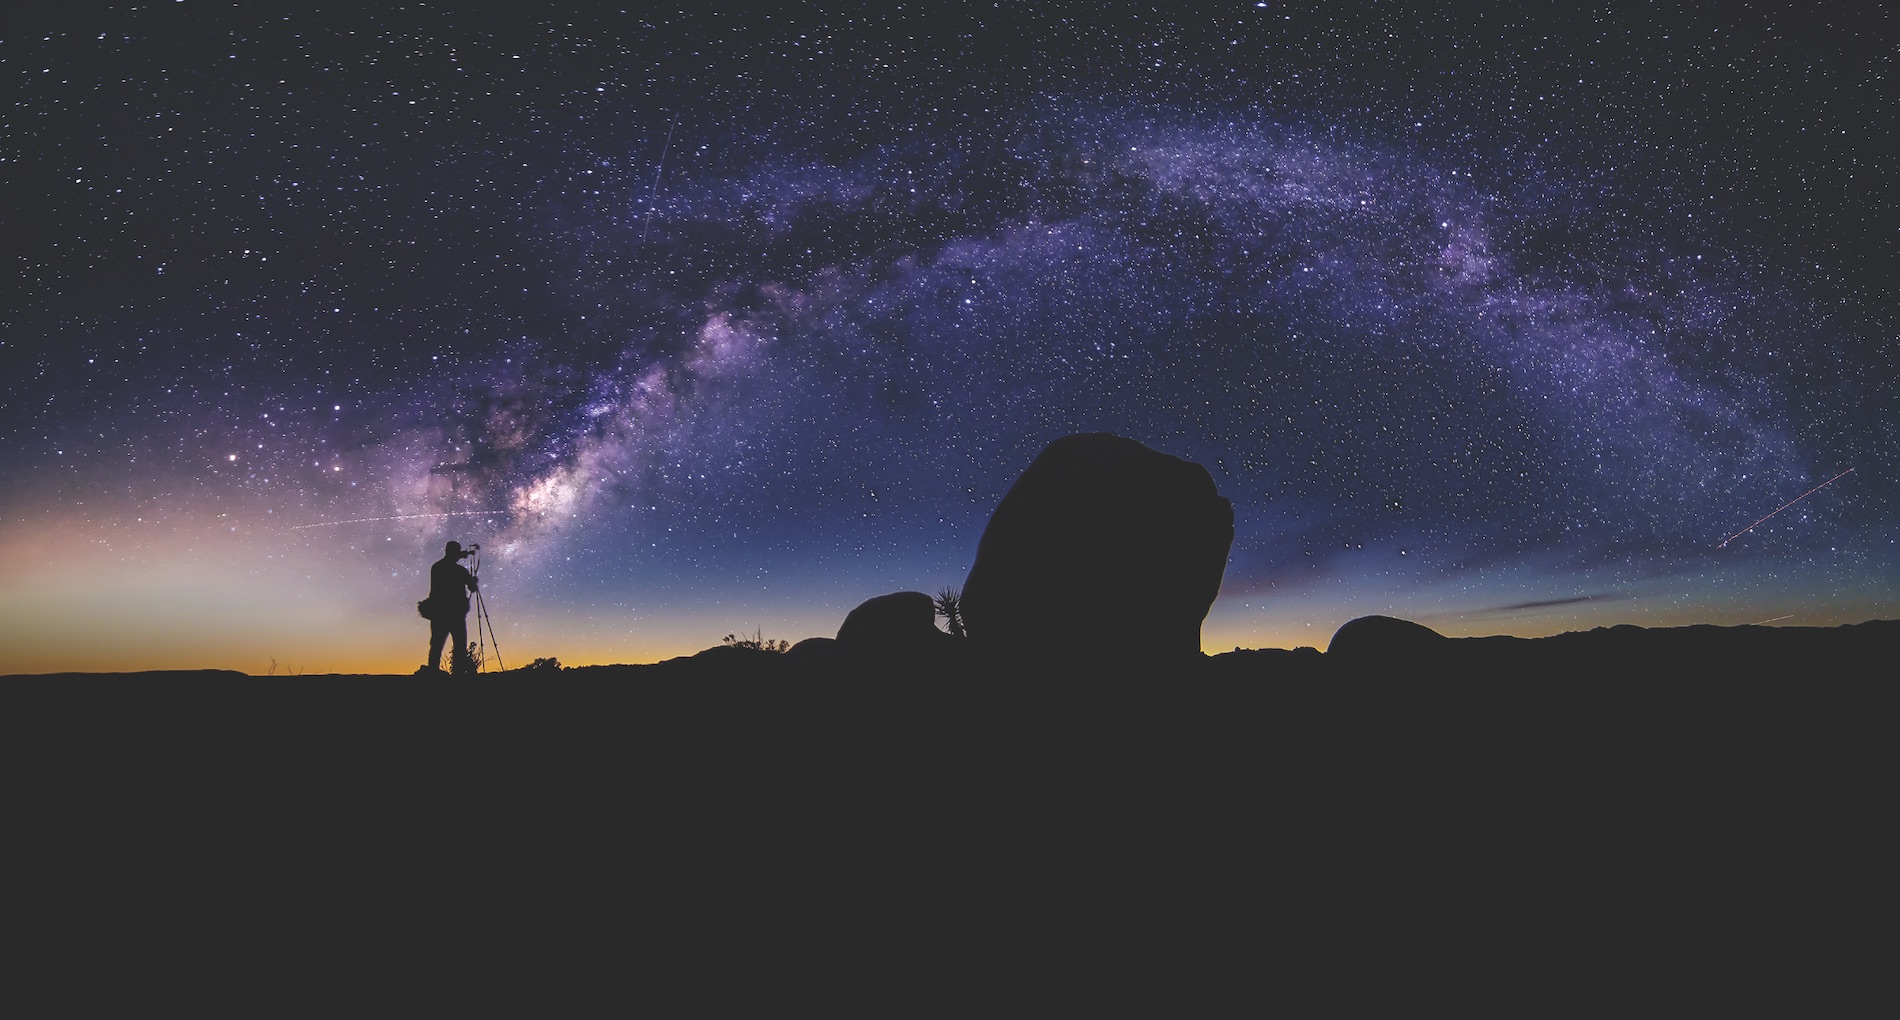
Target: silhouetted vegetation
pixel 756 642
pixel 550 664
pixel 950 606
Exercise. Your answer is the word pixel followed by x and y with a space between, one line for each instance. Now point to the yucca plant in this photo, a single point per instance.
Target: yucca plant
pixel 950 606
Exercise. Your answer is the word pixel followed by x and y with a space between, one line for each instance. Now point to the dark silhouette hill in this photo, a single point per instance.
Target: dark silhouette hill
pixel 1381 646
pixel 1375 648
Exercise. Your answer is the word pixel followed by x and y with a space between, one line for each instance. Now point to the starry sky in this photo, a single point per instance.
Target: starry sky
pixel 715 320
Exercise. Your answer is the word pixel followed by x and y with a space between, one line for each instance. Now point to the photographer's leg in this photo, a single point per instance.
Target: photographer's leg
pixel 458 631
pixel 438 633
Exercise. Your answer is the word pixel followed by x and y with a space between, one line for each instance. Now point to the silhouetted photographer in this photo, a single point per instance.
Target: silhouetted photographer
pixel 446 609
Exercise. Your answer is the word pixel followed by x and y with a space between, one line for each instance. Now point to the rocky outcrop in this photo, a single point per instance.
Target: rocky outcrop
pixel 900 623
pixel 1104 551
pixel 1385 641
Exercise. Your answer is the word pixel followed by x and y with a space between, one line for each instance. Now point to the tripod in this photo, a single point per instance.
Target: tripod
pixel 484 627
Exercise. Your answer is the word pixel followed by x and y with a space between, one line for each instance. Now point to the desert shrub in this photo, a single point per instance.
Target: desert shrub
pixel 471 664
pixel 756 642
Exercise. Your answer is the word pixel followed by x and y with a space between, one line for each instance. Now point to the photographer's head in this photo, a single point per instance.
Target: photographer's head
pixel 454 551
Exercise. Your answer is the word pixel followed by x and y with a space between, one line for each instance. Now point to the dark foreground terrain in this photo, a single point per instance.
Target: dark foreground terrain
pixel 1701 813
pixel 1387 697
pixel 1392 717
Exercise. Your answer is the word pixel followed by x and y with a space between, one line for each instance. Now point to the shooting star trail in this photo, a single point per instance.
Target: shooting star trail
pixel 398 517
pixel 1784 506
pixel 654 191
pixel 1778 619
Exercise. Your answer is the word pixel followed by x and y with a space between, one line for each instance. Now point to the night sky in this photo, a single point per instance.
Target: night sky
pixel 706 322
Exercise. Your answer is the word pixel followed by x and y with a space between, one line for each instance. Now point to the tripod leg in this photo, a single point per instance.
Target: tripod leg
pixel 481 609
pixel 481 645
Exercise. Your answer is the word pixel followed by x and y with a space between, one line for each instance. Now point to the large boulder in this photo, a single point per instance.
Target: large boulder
pixel 901 623
pixel 1384 636
pixel 1387 645
pixel 1104 551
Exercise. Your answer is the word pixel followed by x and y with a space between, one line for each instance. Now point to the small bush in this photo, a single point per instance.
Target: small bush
pixel 756 642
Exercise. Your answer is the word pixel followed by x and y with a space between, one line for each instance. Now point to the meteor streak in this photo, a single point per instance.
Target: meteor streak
pixel 1785 506
pixel 655 189
pixel 398 517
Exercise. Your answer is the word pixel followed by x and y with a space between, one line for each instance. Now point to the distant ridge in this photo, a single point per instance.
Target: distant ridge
pixel 1373 647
